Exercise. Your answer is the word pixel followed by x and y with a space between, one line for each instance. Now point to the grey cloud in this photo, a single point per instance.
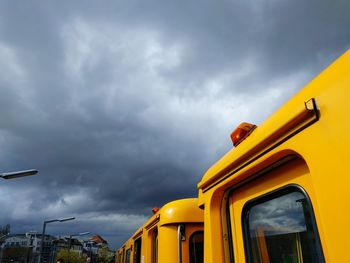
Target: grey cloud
pixel 122 106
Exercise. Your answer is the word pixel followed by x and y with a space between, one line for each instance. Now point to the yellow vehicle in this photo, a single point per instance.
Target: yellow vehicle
pixel 283 193
pixel 174 234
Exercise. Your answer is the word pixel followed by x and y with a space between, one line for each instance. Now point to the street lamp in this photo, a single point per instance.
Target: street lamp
pixel 17 174
pixel 44 228
pixel 70 240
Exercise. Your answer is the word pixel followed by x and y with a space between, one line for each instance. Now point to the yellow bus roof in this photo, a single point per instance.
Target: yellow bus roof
pixel 335 76
pixel 175 212
pixel 181 211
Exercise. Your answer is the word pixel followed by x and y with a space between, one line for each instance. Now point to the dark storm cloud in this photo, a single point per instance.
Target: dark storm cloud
pixel 122 106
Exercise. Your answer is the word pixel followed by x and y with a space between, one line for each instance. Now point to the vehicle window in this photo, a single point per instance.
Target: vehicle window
pixel 127 256
pixel 281 228
pixel 137 252
pixel 155 246
pixel 196 247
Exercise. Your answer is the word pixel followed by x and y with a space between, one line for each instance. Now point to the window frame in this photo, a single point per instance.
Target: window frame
pixel 270 196
pixel 229 228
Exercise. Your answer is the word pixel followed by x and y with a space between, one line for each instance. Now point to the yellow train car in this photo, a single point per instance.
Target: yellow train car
pixel 124 253
pixel 282 194
pixel 174 234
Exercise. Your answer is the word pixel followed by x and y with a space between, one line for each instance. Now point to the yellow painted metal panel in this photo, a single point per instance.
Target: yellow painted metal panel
pixel 324 148
pixel 166 220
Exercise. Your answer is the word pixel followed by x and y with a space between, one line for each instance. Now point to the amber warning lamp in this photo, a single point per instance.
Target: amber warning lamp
pixel 241 132
pixel 155 210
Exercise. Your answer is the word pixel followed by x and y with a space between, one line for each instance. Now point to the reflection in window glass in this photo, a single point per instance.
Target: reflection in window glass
pixel 281 229
pixel 196 247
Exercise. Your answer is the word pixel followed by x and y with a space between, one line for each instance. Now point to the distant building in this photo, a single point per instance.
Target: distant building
pixel 99 240
pixel 76 246
pixel 63 243
pixel 19 240
pixel 48 252
pixel 26 248
pixel 93 245
pixel 20 248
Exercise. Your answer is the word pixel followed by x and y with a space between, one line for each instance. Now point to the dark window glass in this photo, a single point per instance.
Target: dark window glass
pixel 196 247
pixel 127 256
pixel 281 228
pixel 137 251
pixel 155 246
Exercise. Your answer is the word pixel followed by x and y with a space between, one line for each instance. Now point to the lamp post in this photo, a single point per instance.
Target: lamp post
pixel 17 174
pixel 14 175
pixel 43 233
pixel 70 240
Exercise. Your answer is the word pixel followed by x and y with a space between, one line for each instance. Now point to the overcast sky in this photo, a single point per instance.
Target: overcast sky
pixel 123 105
